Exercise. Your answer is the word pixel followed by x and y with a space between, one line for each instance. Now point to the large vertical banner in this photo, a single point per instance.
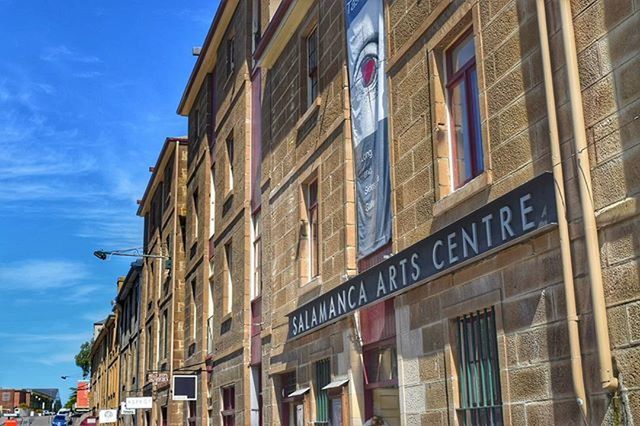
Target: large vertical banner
pixel 369 122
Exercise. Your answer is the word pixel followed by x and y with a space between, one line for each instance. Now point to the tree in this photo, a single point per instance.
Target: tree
pixel 72 398
pixel 83 358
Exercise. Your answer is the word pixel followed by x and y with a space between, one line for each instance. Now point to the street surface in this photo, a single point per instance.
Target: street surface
pixel 30 421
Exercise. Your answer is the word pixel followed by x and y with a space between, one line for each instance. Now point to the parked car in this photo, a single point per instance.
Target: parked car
pixel 59 420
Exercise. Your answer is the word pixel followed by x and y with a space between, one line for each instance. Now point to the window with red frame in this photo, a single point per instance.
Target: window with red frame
pixel 163 414
pixel 228 406
pixel 464 111
pixel 314 240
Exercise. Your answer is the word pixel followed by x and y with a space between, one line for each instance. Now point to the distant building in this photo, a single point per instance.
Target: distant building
pixel 46 399
pixel 35 399
pixel 162 321
pixel 13 398
pixel 105 367
pixel 128 329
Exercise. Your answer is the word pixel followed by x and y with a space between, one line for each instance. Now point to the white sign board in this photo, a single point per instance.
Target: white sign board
pixel 108 416
pixel 139 402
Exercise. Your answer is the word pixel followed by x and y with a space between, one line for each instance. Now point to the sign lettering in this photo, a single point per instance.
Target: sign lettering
pixel 519 213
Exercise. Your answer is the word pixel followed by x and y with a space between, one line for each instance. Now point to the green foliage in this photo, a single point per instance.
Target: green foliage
pixel 72 398
pixel 83 358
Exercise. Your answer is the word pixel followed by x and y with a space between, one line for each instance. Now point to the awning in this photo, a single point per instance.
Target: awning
pixel 335 384
pixel 299 392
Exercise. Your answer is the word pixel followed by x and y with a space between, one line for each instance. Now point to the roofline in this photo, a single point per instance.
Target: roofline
pixel 111 317
pixel 134 269
pixel 183 141
pixel 201 57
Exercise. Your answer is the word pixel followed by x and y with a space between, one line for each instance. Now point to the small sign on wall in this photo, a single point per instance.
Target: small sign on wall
pixel 142 402
pixel 108 416
pixel 185 388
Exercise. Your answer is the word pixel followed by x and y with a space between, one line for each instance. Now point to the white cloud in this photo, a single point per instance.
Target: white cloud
pixel 55 358
pixel 88 74
pixel 46 337
pixel 63 53
pixel 41 274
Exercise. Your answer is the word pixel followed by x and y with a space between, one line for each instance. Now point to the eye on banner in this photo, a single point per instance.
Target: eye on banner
pixel 369 121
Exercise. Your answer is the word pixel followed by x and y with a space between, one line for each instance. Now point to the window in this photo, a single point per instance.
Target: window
pixel 313 249
pixel 381 366
pixel 256 283
pixel 287 387
pixel 255 24
pixel 478 369
pixel 195 215
pixel 210 312
pixel 464 111
pixel 229 145
pixel 212 202
pixel 192 413
pixel 228 293
pixel 165 335
pixel 311 44
pixel 323 378
pixel 168 179
pixel 230 53
pixel 150 350
pixel 228 405
pixel 163 416
pixel 194 311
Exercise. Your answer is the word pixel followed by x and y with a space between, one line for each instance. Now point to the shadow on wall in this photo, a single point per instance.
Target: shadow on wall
pixel 608 46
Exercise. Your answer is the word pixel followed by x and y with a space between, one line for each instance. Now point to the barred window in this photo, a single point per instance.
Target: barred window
pixel 478 369
pixel 323 378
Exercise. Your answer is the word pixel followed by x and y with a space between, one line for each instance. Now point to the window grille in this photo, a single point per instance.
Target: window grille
pixel 478 369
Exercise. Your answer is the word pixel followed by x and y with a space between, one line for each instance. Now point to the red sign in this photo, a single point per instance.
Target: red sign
pixel 82 400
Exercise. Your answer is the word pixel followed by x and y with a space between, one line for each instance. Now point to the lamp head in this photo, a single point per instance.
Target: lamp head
pixel 100 254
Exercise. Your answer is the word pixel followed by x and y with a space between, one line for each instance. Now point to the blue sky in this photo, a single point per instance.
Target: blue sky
pixel 88 92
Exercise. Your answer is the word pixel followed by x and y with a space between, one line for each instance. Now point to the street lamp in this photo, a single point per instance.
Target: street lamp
pixel 132 252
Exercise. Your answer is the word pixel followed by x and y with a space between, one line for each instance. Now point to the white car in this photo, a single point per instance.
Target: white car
pixel 64 412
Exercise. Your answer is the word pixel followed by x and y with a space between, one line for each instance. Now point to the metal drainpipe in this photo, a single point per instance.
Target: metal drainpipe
pixel 607 379
pixel 563 228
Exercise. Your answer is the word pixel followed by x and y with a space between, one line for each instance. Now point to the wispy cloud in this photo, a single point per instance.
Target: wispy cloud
pixel 56 358
pixel 197 16
pixel 88 74
pixel 64 53
pixel 41 274
pixel 46 337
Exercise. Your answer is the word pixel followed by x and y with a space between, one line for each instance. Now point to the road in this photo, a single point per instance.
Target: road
pixel 30 421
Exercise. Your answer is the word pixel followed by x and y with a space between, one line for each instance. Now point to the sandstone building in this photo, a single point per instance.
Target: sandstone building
pixel 418 211
pixel 162 310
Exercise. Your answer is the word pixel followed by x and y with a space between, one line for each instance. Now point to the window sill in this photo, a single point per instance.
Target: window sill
pixel 468 190
pixel 228 196
pixel 307 288
pixel 311 283
pixel 315 105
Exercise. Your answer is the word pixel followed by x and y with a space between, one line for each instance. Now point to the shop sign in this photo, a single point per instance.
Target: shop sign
pixel 142 402
pixel 185 388
pixel 158 378
pixel 108 416
pixel 516 215
pixel 125 411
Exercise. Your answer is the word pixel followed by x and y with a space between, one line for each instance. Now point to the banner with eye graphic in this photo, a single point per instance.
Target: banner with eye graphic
pixel 369 122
